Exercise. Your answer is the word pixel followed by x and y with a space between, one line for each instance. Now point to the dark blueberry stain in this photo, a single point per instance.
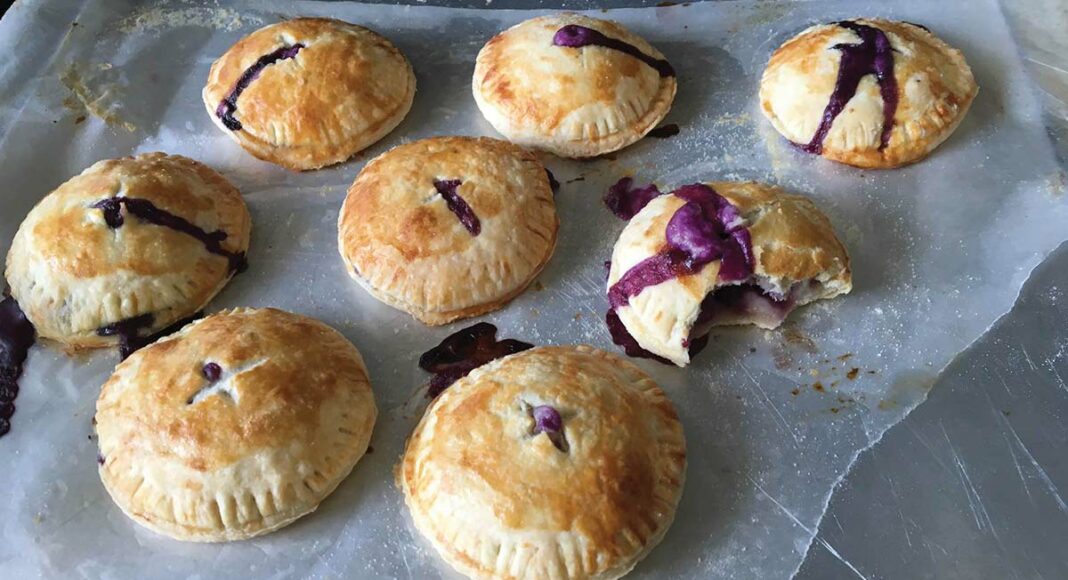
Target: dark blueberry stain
pixel 149 212
pixel 100 459
pixel 457 205
pixel 211 371
pixel 129 332
pixel 873 56
pixel 623 338
pixel 576 36
pixel 228 106
pixel 625 200
pixel 548 420
pixel 17 335
pixel 553 183
pixel 665 131
pixel 707 228
pixel 464 351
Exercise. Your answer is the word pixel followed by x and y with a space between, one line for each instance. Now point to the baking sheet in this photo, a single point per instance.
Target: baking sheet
pixel 939 250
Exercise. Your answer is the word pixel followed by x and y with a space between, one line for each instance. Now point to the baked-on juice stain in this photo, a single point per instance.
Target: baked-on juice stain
pixel 462 352
pixel 17 335
pixel 129 332
pixel 576 36
pixel 149 212
pixel 228 106
pixel 873 56
pixel 457 205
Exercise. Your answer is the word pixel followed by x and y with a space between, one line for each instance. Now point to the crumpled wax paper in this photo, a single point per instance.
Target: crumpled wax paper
pixel 773 419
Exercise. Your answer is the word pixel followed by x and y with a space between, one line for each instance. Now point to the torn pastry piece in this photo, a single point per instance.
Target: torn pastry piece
pixel 449 227
pixel 555 462
pixel 715 254
pixel 126 249
pixel 309 92
pixel 235 426
pixel 868 92
pixel 572 85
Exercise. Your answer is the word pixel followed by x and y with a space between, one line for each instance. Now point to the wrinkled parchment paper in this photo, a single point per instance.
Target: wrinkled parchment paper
pixel 773 419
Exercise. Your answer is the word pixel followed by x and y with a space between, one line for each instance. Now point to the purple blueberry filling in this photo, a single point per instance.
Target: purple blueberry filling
pixel 228 106
pixel 462 352
pixel 548 420
pixel 149 212
pixel 625 201
pixel 457 204
pixel 873 56
pixel 740 303
pixel 707 228
pixel 211 371
pixel 17 335
pixel 575 36
pixel 129 332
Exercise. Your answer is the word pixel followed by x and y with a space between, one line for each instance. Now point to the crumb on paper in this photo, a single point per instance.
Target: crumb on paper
pixel 92 93
pixel 166 15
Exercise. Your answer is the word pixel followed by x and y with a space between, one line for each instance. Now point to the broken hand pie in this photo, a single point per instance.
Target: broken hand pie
pixel 127 248
pixel 870 93
pixel 449 227
pixel 572 85
pixel 556 462
pixel 715 254
pixel 309 92
pixel 235 426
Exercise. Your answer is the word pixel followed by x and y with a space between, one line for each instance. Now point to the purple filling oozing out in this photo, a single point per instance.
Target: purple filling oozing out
pixel 211 371
pixel 464 351
pixel 626 201
pixel 575 36
pixel 149 212
pixel 707 228
pixel 17 335
pixel 457 205
pixel 228 106
pixel 873 55
pixel 129 332
pixel 548 420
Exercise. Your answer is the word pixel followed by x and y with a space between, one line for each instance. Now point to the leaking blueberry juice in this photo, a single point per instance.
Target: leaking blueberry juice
pixel 17 335
pixel 705 229
pixel 548 420
pixel 457 205
pixel 129 332
pixel 464 351
pixel 873 56
pixel 576 36
pixel 228 106
pixel 149 212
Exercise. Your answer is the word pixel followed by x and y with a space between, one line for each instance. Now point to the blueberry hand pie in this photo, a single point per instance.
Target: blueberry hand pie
pixel 870 93
pixel 556 462
pixel 309 92
pixel 715 254
pixel 127 248
pixel 449 227
pixel 572 85
pixel 235 426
